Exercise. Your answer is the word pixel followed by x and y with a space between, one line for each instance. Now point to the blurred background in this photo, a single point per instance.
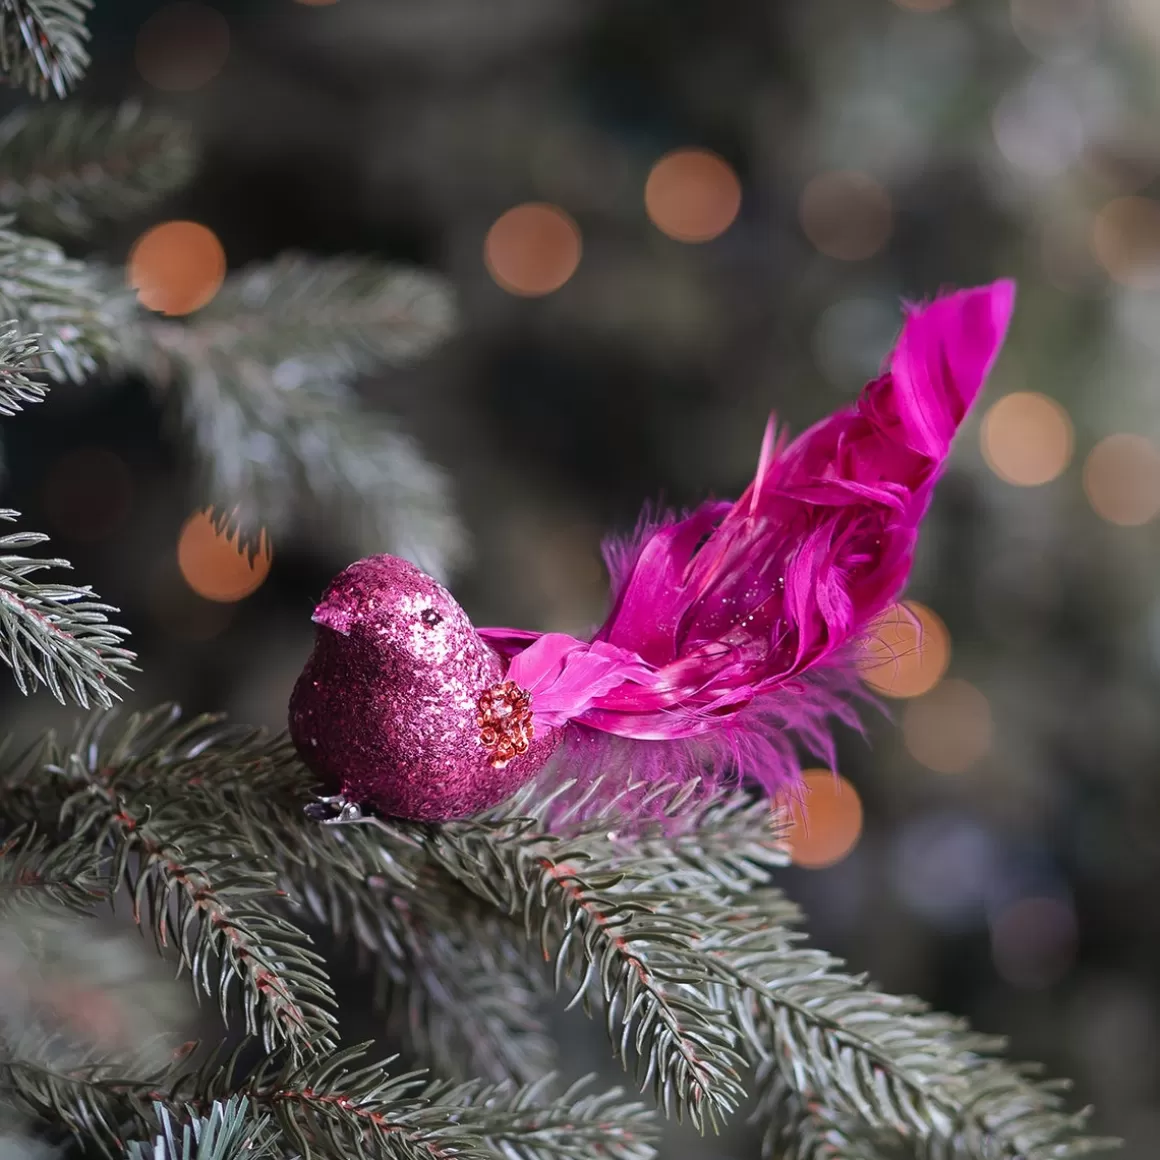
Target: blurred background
pixel 661 220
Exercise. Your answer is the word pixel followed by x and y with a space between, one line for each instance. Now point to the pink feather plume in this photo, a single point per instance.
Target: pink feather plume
pixel 732 634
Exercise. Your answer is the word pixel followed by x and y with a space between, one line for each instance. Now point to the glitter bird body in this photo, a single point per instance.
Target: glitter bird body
pixel 732 635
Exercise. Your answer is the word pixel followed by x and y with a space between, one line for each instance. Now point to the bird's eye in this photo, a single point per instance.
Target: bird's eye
pixel 430 617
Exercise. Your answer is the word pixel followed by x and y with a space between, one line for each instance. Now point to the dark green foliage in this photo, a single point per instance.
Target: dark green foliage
pixel 56 635
pixel 65 170
pixel 227 1133
pixel 59 303
pixel 676 938
pixel 262 377
pixel 43 44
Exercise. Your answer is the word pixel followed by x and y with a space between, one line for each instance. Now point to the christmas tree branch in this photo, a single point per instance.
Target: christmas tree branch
pixel 42 44
pixel 63 304
pixel 343 1107
pixel 65 170
pixel 228 1132
pixel 801 1129
pixel 612 939
pixel 200 898
pixel 56 635
pixel 486 1022
pixel 263 377
pixel 18 357
pixel 34 872
pixel 355 880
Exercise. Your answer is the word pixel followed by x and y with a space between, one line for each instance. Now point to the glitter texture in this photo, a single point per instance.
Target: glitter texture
pixel 386 710
pixel 730 644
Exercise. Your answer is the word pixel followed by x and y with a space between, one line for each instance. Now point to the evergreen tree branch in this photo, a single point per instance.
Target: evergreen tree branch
pixel 613 940
pixel 65 170
pixel 34 872
pixel 355 312
pixel 56 635
pixel 801 1129
pixel 413 924
pixel 212 907
pixel 18 356
pixel 228 1132
pixel 63 304
pixel 263 374
pixel 341 1106
pixel 486 1022
pixel 43 44
pixel 884 1061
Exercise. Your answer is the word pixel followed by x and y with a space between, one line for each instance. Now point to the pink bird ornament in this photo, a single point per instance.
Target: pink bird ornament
pixel 732 638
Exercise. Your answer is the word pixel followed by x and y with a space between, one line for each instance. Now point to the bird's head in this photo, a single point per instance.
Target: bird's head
pixel 390 605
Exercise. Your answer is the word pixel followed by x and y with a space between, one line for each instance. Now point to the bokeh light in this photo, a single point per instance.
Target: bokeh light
pixel 906 651
pixel 949 728
pixel 533 249
pixel 1033 942
pixel 1026 439
pixel 215 566
pixel 692 195
pixel 183 46
pixel 846 215
pixel 88 494
pixel 176 267
pixel 1126 241
pixel 824 819
pixel 1122 479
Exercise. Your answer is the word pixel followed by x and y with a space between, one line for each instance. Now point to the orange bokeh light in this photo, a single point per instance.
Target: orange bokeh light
pixel 1122 479
pixel 1126 241
pixel 215 566
pixel 1026 439
pixel 692 195
pixel 906 652
pixel 533 249
pixel 183 46
pixel 846 215
pixel 949 728
pixel 176 267
pixel 823 819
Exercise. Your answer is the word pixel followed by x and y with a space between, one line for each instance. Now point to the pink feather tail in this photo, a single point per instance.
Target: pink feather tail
pixel 733 627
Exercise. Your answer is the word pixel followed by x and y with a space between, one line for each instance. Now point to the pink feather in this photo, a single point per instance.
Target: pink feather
pixel 732 632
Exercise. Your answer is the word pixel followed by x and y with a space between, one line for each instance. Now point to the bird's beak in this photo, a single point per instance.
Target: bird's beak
pixel 334 617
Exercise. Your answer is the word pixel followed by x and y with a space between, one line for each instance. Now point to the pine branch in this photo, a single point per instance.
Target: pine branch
pixel 884 1061
pixel 362 1112
pixel 614 939
pixel 799 1129
pixel 262 375
pixel 486 1022
pixel 355 311
pixel 63 304
pixel 227 1133
pixel 34 872
pixel 358 882
pixel 213 907
pixel 56 635
pixel 18 355
pixel 65 170
pixel 344 1107
pixel 42 44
